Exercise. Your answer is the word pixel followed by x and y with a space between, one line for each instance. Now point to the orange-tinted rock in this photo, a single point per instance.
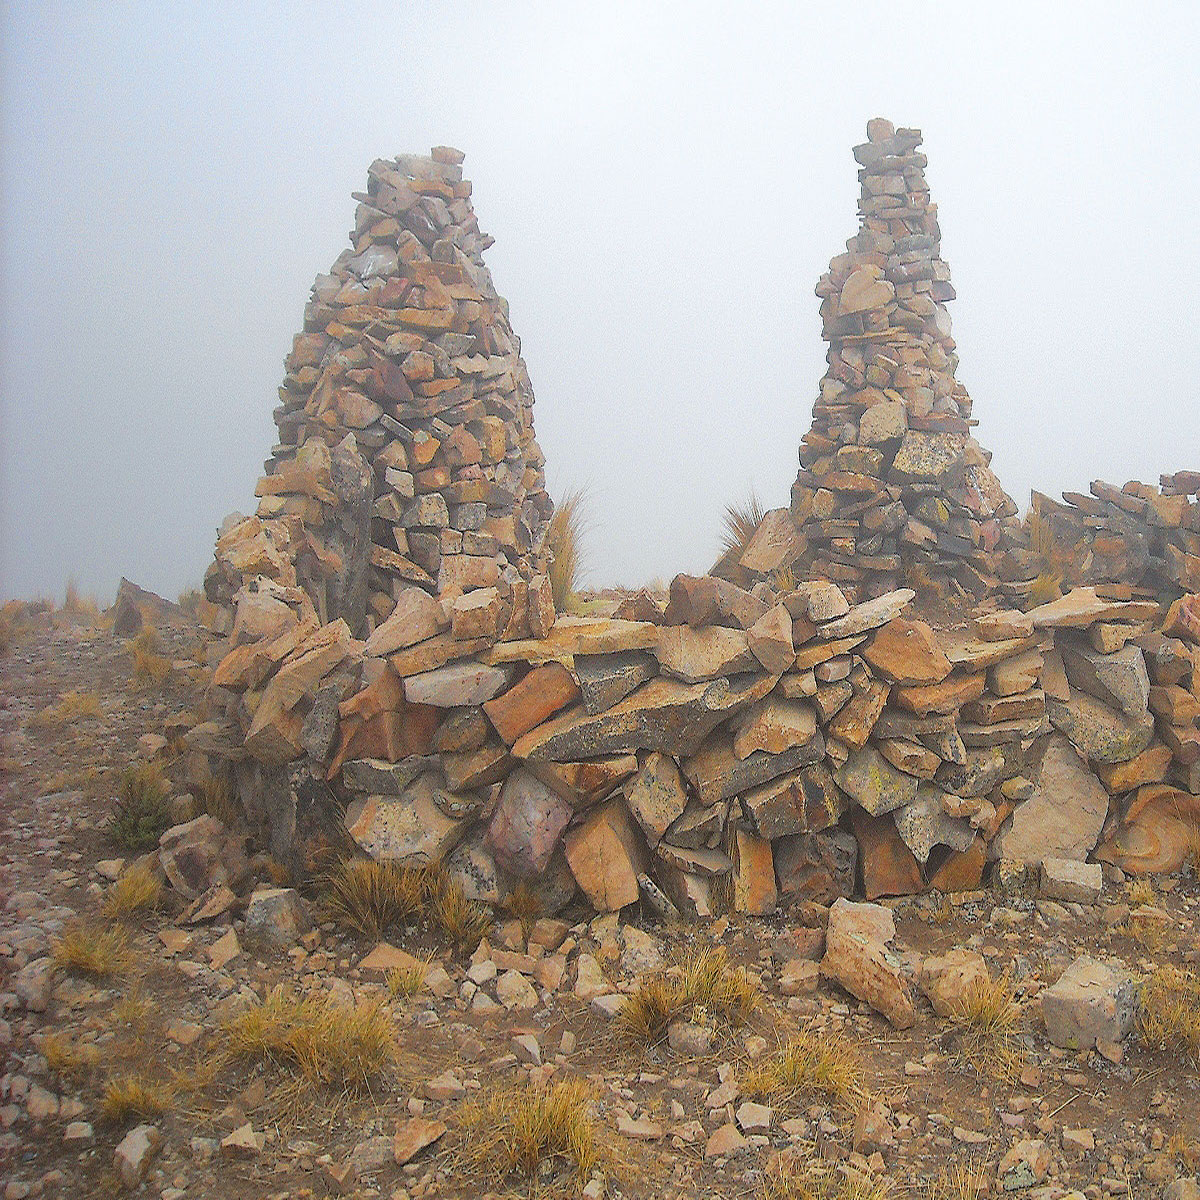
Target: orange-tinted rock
pixel 582 783
pixel 907 652
pixel 962 870
pixel 1148 767
pixel 855 720
pixel 543 692
pixel 945 697
pixel 888 866
pixel 606 854
pixel 754 890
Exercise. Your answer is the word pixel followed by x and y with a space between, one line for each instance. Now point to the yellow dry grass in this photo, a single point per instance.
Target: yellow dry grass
pixel 371 897
pixel 810 1066
pixel 960 1181
pixel 739 521
pixel 1140 893
pixel 406 980
pixel 139 889
pixel 526 1132
pixel 71 706
pixel 986 1035
pixel 463 921
pixel 564 541
pixel 97 951
pixel 704 986
pixel 1169 1012
pixel 68 1057
pixel 134 1096
pixel 787 1179
pixel 218 799
pixel 328 1044
pixel 524 904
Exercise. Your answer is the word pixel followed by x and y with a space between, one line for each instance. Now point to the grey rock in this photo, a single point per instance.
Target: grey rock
pixel 1092 1001
pixel 1119 679
pixel 276 914
pixel 925 824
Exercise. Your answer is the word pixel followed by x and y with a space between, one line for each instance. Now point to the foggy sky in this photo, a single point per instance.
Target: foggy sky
pixel 665 184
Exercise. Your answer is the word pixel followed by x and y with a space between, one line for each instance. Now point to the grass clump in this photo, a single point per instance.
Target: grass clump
pixel 69 1058
pixel 525 905
pixel 71 706
pixel 151 668
pixel 142 811
pixel 790 1178
pixel 217 798
pixel 986 1032
pixel 99 952
pixel 139 889
pixel 808 1067
pixel 705 986
pixel 564 540
pixel 370 897
pixel 406 980
pixel 961 1181
pixel 527 1131
pixel 738 524
pixel 129 1097
pixel 463 921
pixel 1141 893
pixel 1169 1012
pixel 326 1043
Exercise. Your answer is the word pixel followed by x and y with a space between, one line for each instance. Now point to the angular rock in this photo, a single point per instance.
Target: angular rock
pixel 605 679
pixel 527 825
pixel 888 867
pixel 1091 1001
pixel 905 651
pixel 816 866
pixel 457 685
pixel 871 614
pixel 948 980
pixel 606 854
pixel 543 692
pixel 1064 816
pixel 857 959
pixel 1071 881
pixel 925 824
pixel 754 888
pixel 1118 679
pixel 694 655
pixel 870 780
pixel 774 725
pixel 416 616
pixel 716 772
pixel 276 914
pixel 657 797
pixel 135 1152
pixel 409 829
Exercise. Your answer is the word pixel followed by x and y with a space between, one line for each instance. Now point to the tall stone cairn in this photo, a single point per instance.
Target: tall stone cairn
pixel 892 487
pixel 406 456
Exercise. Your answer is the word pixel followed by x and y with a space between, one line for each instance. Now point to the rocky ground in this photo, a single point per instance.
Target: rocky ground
pixel 538 1004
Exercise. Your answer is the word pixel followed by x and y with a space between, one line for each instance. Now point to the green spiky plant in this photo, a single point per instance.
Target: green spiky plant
pixel 738 523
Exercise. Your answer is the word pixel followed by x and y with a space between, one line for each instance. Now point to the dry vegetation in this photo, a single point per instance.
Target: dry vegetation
pixel 139 889
pixel 94 950
pixel 521 1133
pixel 564 540
pixel 787 1179
pixel 129 1098
pixel 71 706
pixel 703 987
pixel 811 1066
pixel 986 1030
pixel 372 897
pixel 1169 1012
pixel 345 1047
pixel 151 668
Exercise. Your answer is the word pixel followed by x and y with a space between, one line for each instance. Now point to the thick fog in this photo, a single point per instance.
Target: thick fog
pixel 665 184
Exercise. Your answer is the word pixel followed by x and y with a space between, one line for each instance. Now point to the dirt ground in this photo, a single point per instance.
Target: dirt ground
pixel 1128 1128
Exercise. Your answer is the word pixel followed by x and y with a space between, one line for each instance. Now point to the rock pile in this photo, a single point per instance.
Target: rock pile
pixel 892 487
pixel 406 463
pixel 392 675
pixel 1139 535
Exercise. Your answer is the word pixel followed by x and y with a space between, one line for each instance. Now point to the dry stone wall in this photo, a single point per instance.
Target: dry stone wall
pixel 743 746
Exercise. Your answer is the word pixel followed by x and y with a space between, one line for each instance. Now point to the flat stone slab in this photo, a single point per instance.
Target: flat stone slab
pixel 1092 1001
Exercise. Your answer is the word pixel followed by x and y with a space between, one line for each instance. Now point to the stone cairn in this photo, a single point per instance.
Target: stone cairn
pixel 891 481
pixel 1139 535
pixel 406 453
pixel 743 747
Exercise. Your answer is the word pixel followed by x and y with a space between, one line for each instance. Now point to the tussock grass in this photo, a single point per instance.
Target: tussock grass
pixel 127 1097
pixel 71 706
pixel 787 1179
pixel 406 981
pixel 139 889
pixel 217 798
pixel 151 668
pixel 97 951
pixel 142 811
pixel 986 1033
pixel 739 520
pixel 463 921
pixel 564 540
pixel 68 1057
pixel 960 1181
pixel 189 600
pixel 808 1067
pixel 76 604
pixel 703 986
pixel 370 897
pixel 1141 893
pixel 1169 1012
pixel 16 619
pixel 338 1046
pixel 525 905
pixel 527 1131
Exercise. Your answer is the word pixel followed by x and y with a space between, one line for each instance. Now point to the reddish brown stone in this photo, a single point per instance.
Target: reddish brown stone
pixel 889 867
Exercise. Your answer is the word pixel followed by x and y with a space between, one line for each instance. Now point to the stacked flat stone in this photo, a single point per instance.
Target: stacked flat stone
pixel 890 477
pixel 406 454
pixel 1138 535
